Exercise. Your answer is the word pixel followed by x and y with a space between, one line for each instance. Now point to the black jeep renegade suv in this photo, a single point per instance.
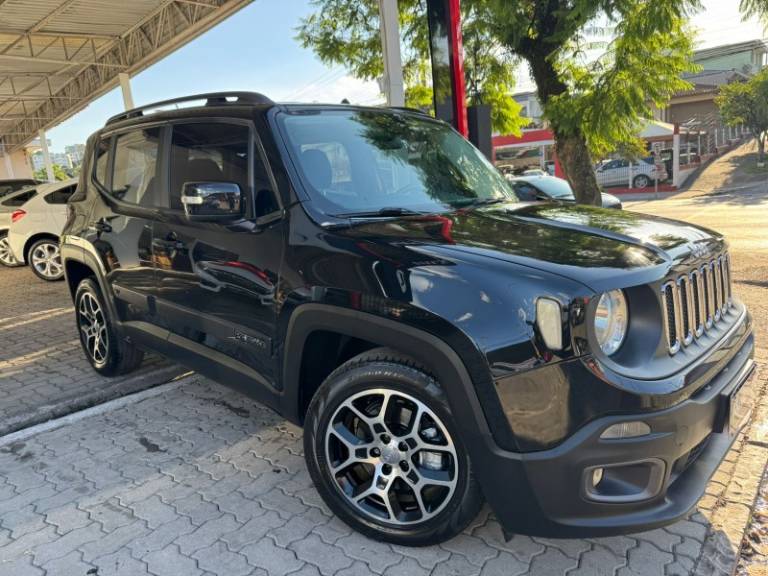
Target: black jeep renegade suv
pixel 370 276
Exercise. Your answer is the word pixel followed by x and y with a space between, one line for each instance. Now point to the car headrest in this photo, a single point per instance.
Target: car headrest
pixel 203 170
pixel 317 168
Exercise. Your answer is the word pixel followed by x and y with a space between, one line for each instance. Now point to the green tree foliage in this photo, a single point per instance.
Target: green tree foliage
pixel 58 173
pixel 597 105
pixel 754 8
pixel 747 103
pixel 346 32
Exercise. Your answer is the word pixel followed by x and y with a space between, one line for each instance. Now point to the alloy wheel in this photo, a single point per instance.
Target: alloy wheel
pixel 391 457
pixel 46 259
pixel 6 256
pixel 93 327
pixel 642 181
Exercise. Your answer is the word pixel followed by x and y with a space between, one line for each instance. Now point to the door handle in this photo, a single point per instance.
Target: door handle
pixel 173 240
pixel 102 226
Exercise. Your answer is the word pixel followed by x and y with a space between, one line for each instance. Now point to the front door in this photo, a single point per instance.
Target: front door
pixel 217 281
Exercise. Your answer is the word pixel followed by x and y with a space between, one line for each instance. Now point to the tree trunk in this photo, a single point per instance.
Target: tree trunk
pixel 571 145
pixel 760 147
pixel 580 172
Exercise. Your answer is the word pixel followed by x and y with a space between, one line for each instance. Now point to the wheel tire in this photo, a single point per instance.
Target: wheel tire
pixel 641 181
pixel 6 256
pixel 44 258
pixel 361 377
pixel 115 356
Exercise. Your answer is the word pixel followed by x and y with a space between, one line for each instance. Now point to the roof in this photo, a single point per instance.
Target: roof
pixel 57 56
pixel 726 49
pixel 714 78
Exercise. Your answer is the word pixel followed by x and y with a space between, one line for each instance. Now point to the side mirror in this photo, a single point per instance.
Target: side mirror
pixel 212 200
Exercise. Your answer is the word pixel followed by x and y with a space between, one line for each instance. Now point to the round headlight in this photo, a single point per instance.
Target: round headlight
pixel 611 320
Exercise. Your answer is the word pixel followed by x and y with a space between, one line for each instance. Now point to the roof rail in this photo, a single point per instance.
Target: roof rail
pixel 211 99
pixel 409 109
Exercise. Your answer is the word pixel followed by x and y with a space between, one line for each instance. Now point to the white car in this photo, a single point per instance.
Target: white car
pixel 36 225
pixel 8 204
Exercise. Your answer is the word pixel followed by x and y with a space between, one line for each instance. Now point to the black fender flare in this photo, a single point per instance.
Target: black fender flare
pixel 426 348
pixel 75 253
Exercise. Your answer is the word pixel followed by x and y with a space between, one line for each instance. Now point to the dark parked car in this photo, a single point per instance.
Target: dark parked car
pixel 553 189
pixel 371 276
pixel 14 185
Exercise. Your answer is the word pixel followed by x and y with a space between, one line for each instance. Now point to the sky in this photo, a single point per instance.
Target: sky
pixel 255 50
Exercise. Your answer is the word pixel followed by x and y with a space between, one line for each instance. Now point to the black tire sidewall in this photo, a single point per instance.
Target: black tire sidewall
pixel 110 366
pixel 382 374
pixel 34 270
pixel 642 178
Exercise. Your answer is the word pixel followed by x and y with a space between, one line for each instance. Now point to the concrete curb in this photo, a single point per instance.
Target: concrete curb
pixel 738 480
pixel 120 388
pixel 97 410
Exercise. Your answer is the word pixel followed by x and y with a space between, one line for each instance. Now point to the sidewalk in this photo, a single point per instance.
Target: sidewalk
pixel 43 373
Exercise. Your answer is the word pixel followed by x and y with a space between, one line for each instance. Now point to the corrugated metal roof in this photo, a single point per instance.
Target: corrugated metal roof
pixel 56 56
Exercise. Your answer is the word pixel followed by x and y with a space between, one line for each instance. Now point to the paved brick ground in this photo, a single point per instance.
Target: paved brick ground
pixel 43 373
pixel 200 480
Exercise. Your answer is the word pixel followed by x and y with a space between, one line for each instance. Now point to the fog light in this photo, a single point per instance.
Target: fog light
pixel 626 430
pixel 431 460
pixel 597 476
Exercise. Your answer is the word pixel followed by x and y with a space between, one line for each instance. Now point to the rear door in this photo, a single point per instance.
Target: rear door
pixel 126 168
pixel 217 281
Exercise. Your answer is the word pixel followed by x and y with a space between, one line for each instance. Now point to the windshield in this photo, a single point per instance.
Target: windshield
pixel 554 187
pixel 364 161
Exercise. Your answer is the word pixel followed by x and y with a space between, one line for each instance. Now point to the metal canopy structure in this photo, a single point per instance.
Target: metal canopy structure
pixel 57 56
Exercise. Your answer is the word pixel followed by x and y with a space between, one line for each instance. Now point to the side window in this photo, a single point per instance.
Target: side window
pixel 101 159
pixel 210 152
pixel 134 176
pixel 525 191
pixel 61 196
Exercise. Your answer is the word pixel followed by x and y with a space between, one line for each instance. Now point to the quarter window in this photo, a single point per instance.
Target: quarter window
pixel 134 176
pixel 102 160
pixel 60 196
pixel 20 199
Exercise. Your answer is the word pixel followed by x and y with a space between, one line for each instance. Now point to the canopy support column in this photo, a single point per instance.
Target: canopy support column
pixel 394 85
pixel 125 86
pixel 8 164
pixel 46 157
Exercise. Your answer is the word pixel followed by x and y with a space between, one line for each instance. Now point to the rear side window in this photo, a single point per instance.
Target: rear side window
pixel 134 173
pixel 60 196
pixel 101 160
pixel 209 152
pixel 20 199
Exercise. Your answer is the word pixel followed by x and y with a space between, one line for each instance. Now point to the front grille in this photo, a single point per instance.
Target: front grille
pixel 694 302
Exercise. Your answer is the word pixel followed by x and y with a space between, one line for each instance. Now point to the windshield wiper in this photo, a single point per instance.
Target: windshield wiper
pixel 380 213
pixel 484 202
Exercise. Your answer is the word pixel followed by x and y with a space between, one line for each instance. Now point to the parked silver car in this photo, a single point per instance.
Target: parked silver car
pixel 617 173
pixel 552 189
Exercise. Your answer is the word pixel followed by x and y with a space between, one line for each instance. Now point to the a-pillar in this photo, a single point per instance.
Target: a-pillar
pixel 46 156
pixel 125 87
pixel 394 86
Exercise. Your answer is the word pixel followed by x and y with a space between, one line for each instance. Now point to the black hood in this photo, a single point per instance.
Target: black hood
pixel 600 248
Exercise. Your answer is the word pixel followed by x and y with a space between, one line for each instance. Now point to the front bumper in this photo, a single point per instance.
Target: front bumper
pixel 688 442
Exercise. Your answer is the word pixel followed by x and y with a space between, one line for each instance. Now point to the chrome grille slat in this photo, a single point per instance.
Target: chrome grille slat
pixel 695 302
